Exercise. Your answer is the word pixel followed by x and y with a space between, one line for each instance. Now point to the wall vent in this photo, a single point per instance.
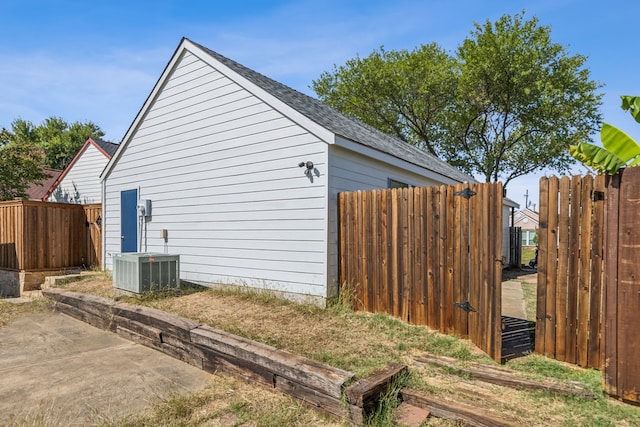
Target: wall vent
pixel 140 272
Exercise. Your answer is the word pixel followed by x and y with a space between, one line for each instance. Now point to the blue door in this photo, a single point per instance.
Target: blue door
pixel 129 221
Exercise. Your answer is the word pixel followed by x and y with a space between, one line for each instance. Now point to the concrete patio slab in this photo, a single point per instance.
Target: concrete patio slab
pixel 56 370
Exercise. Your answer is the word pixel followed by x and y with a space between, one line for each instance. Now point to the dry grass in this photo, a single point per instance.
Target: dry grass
pixel 229 402
pixel 360 343
pixel 10 311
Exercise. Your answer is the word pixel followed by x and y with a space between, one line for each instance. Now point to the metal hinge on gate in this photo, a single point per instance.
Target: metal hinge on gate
pixel 465 305
pixel 467 193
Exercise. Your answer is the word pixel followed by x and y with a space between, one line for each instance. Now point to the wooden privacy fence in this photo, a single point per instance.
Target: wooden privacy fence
pixel 570 269
pixel 40 236
pixel 588 298
pixel 430 256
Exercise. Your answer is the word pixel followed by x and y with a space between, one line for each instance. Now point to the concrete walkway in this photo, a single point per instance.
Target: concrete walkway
pixel 56 370
pixel 516 338
pixel 513 300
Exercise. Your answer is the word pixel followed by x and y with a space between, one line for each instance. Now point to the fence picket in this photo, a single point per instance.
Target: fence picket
pixel 584 258
pixel 573 263
pixel 432 258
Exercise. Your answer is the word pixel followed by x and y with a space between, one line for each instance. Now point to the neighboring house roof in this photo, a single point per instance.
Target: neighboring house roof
pixel 108 148
pixel 41 191
pixel 527 218
pixel 323 115
pixel 105 147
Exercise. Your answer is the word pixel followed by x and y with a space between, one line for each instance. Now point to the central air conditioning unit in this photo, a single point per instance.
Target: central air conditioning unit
pixel 140 272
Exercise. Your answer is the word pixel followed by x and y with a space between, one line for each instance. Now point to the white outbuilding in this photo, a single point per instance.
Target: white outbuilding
pixel 239 175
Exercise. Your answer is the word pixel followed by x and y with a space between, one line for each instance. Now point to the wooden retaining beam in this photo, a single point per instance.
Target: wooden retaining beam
pixel 322 387
pixel 504 377
pixel 442 408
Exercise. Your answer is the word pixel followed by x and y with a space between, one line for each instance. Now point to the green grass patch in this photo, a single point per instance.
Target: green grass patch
pixel 529 292
pixel 539 367
pixel 527 255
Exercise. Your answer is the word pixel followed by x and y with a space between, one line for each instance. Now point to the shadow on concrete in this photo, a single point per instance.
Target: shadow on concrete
pixel 517 337
pixel 515 272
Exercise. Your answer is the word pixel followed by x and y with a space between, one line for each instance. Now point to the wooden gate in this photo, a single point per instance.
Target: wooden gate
pixel 621 332
pixel 589 276
pixel 430 256
pixel 570 269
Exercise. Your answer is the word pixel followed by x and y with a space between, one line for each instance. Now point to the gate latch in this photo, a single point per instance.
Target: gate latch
pixel 465 305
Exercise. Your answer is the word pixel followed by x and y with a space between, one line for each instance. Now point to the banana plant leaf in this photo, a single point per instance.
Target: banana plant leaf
pixel 598 158
pixel 632 104
pixel 619 143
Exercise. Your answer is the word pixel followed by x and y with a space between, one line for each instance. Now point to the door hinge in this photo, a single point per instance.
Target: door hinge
pixel 465 305
pixel 467 193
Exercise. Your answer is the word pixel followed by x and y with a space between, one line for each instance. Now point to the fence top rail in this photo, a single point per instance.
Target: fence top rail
pixel 544 178
pixel 471 185
pixel 38 203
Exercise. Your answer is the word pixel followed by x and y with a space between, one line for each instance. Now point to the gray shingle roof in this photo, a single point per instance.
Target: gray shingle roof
pixel 109 147
pixel 340 124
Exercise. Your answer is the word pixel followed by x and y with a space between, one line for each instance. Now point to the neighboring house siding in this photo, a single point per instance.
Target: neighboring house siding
pixel 221 169
pixel 352 171
pixel 82 183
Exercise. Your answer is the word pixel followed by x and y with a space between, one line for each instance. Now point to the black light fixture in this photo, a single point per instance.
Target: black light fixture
pixel 308 164
pixel 309 169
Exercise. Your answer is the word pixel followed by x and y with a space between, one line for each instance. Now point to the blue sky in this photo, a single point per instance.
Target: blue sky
pixel 98 61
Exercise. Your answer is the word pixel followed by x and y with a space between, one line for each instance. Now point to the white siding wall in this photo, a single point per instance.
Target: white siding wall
pixel 82 183
pixel 221 169
pixel 351 171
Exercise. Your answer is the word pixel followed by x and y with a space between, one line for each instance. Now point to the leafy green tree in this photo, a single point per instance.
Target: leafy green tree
pixel 58 139
pixel 21 164
pixel 5 137
pixel 522 100
pixel 403 93
pixel 509 103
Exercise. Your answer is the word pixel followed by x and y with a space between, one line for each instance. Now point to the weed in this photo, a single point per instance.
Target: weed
pixel 382 415
pixel 156 293
pixel 345 301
